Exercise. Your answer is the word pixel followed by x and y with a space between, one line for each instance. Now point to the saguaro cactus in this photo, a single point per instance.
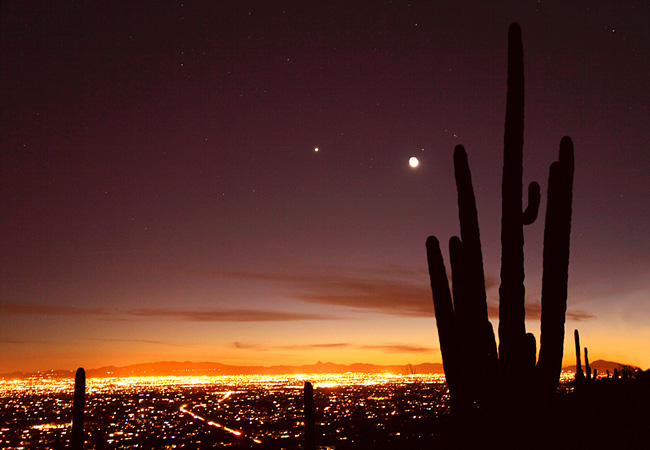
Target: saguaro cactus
pixel 467 341
pixel 580 375
pixel 555 276
pixel 512 312
pixel 77 439
pixel 310 417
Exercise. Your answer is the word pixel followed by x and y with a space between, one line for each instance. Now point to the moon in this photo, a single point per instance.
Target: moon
pixel 414 162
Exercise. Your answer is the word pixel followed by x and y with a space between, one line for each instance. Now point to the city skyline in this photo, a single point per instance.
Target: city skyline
pixel 231 182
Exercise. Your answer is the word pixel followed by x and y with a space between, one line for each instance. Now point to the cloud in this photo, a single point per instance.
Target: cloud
pixel 396 297
pixel 400 297
pixel 225 315
pixel 142 341
pixel 391 289
pixel 317 346
pixel 534 311
pixel 579 315
pixel 49 310
pixel 20 342
pixel 386 348
pixel 247 346
pixel 393 270
pixel 190 315
pixel 399 348
pixel 243 346
pixel 407 295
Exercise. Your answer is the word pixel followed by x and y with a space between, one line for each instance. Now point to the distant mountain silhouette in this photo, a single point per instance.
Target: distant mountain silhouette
pixel 176 368
pixel 601 366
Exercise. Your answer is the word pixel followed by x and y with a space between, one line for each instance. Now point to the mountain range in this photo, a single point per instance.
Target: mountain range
pixel 186 368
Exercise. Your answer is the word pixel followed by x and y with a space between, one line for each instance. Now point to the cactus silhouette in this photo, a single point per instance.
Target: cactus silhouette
pixel 77 439
pixel 512 331
pixel 580 375
pixel 587 366
pixel 555 275
pixel 467 342
pixel 310 414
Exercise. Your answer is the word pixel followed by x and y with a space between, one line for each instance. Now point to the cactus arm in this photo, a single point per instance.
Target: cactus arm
pixel 556 265
pixel 470 237
pixel 444 311
pixel 464 332
pixel 474 330
pixel 531 352
pixel 459 282
pixel 530 214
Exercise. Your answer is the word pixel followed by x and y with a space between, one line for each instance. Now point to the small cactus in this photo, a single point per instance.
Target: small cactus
pixel 77 439
pixel 580 376
pixel 310 420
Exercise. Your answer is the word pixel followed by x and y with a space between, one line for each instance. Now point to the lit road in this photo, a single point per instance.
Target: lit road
pixel 211 423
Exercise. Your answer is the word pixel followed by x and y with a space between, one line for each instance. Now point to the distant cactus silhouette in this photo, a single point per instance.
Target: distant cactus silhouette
pixel 580 376
pixel 587 366
pixel 310 417
pixel 467 341
pixel 77 439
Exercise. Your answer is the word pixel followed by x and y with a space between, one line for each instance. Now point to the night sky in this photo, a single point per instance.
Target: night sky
pixel 161 196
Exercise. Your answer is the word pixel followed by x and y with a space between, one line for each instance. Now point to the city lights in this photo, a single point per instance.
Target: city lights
pixel 165 412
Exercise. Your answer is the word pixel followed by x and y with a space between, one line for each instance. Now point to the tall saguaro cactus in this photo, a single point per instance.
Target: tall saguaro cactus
pixel 467 340
pixel 512 310
pixel 77 439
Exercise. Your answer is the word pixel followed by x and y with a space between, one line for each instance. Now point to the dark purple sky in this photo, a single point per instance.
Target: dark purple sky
pixel 160 196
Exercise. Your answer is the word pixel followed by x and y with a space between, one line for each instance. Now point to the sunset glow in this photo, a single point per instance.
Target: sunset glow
pixel 235 182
